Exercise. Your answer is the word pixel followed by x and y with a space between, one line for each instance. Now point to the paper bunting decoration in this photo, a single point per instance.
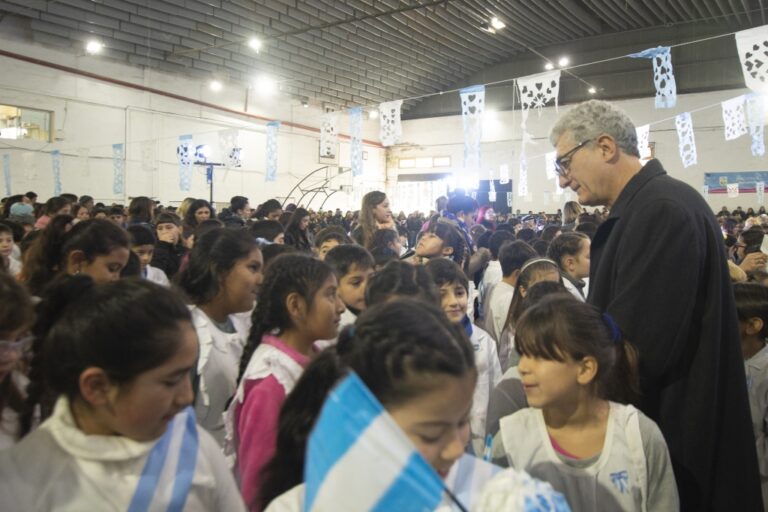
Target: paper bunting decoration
pixel 492 192
pixel 472 108
pixel 118 169
pixel 760 191
pixel 230 148
pixel 734 118
pixel 329 135
pixel 536 91
pixel 185 153
pixel 509 199
pixel 755 108
pixel 390 128
pixel 549 165
pixel 686 142
pixel 356 140
pixel 503 174
pixel 663 75
pixel 752 45
pixel 643 143
pixel 733 190
pixel 56 168
pixel 522 180
pixel 271 154
pixel 7 173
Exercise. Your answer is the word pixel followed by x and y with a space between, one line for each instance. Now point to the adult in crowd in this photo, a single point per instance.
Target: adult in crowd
pixel 141 210
pixel 297 231
pixel 270 209
pixel 375 213
pixel 658 266
pixel 198 211
pixel 237 213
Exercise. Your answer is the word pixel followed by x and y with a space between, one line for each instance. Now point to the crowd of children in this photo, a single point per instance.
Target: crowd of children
pixel 179 359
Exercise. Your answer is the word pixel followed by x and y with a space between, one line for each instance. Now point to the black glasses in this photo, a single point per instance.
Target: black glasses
pixel 563 163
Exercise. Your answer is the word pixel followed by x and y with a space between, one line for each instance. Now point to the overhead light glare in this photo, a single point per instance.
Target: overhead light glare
pixel 93 47
pixel 549 66
pixel 497 24
pixel 591 90
pixel 265 85
pixel 487 27
pixel 215 86
pixel 305 104
pixel 255 44
pixel 564 61
pixel 373 114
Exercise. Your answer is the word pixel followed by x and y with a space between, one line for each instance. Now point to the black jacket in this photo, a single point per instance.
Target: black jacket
pixel 658 266
pixel 167 257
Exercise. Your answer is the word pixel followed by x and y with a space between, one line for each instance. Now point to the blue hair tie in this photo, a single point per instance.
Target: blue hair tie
pixel 612 327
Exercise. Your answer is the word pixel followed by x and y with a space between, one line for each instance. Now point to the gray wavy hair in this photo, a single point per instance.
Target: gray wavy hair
pixel 588 120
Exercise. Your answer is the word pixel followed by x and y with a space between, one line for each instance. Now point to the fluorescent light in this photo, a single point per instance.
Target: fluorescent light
pixel 549 66
pixel 255 44
pixel 93 47
pixel 215 86
pixel 564 61
pixel 373 114
pixel 265 85
pixel 497 23
pixel 591 90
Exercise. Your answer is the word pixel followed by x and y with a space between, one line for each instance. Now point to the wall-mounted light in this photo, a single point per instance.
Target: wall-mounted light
pixel 592 90
pixel 373 113
pixel 497 24
pixel 93 47
pixel 564 61
pixel 215 86
pixel 549 66
pixel 255 44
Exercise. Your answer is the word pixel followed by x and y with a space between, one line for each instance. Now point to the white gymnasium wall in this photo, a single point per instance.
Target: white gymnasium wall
pixel 91 115
pixel 443 136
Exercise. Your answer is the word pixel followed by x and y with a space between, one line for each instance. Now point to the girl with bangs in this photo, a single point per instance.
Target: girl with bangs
pixel 577 434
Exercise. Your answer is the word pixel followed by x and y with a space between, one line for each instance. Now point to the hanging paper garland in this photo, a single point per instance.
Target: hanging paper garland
pixel 752 45
pixel 686 141
pixel 185 153
pixel 356 140
pixel 503 174
pixel 536 91
pixel 756 120
pixel 390 128
pixel 492 192
pixel 472 108
pixel 760 191
pixel 549 165
pixel 230 148
pixel 272 129
pixel 522 185
pixel 643 144
pixel 734 118
pixel 56 167
pixel 663 75
pixel 118 169
pixel 509 199
pixel 7 173
pixel 733 190
pixel 329 134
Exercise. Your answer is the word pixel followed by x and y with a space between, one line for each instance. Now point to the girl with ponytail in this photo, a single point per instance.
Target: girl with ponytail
pixel 298 304
pixel 577 434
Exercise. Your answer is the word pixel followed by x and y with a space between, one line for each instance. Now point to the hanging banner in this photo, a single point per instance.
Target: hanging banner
pixel 522 180
pixel 747 180
pixel 734 118
pixel 549 165
pixel 663 75
pixel 536 91
pixel 272 128
pixel 492 191
pixel 756 108
pixel 472 108
pixel 686 141
pixel 643 143
pixel 7 173
pixel 56 167
pixel 356 140
pixel 760 191
pixel 329 135
pixel 230 148
pixel 503 174
pixel 118 169
pixel 733 190
pixel 752 45
pixel 390 128
pixel 509 199
pixel 185 152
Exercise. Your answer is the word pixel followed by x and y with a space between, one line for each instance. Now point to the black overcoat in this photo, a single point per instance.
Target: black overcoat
pixel 658 266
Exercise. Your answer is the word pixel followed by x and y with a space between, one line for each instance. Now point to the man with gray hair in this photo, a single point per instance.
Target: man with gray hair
pixel 658 266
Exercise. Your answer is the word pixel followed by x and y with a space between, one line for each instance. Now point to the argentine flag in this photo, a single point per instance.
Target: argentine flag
pixel 359 459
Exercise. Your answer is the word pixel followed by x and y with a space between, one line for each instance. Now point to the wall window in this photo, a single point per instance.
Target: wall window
pixel 425 162
pixel 23 123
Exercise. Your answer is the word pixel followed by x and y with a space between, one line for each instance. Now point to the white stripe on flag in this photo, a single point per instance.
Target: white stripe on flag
pixel 167 475
pixel 363 489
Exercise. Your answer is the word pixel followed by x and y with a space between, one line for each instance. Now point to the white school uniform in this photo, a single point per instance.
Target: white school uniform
pixel 488 376
pixel 217 367
pixel 9 421
pixel 156 276
pixel 499 298
pixel 491 276
pixel 632 473
pixel 58 467
pixel 757 388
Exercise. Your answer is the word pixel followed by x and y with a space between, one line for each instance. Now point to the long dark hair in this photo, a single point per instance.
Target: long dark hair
pixel 397 349
pixel 189 217
pixel 529 270
pixel 367 219
pixel 141 210
pixel 299 238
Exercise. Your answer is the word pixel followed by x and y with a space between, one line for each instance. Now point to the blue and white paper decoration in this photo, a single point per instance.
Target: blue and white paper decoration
pixel 185 152
pixel 503 174
pixel 7 173
pixel 643 144
pixel 734 118
pixel 230 148
pixel 356 140
pixel 755 109
pixel 686 141
pixel 509 199
pixel 329 135
pixel 472 108
pixel 56 167
pixel 390 127
pixel 760 191
pixel 492 191
pixel 549 165
pixel 663 75
pixel 536 91
pixel 272 128
pixel 733 190
pixel 752 45
pixel 118 169
pixel 522 178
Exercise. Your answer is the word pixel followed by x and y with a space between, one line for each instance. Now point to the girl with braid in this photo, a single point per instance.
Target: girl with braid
pixel 298 304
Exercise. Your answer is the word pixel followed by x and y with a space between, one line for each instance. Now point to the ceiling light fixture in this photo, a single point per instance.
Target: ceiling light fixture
pixel 564 61
pixel 549 66
pixel 373 114
pixel 487 27
pixel 255 44
pixel 93 47
pixel 591 90
pixel 215 86
pixel 497 24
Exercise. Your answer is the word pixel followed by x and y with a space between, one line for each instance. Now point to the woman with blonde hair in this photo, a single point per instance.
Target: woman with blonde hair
pixel 571 212
pixel 375 213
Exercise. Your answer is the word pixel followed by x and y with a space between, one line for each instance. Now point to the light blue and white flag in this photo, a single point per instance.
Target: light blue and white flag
pixel 7 173
pixel 273 127
pixel 663 75
pixel 356 140
pixel 56 167
pixel 118 169
pixel 185 152
pixel 358 458
pixel 472 110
